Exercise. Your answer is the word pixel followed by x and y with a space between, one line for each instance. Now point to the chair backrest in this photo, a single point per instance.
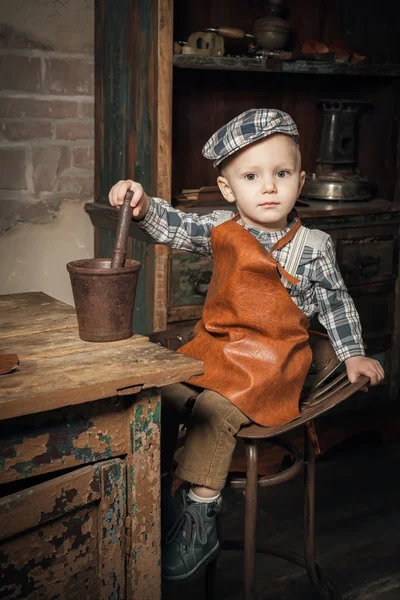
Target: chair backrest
pixel 324 364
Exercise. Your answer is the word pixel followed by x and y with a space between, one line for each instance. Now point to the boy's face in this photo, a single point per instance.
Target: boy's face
pixel 264 179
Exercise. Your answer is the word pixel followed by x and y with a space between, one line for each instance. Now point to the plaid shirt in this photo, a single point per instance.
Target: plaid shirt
pixel 321 289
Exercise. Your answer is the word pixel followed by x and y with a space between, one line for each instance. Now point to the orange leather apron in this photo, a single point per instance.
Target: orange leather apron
pixel 252 337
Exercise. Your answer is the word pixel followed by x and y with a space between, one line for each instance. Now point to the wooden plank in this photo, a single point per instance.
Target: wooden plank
pixel 243 63
pixel 329 222
pixel 164 97
pixel 46 384
pixel 65 438
pixel 111 530
pixel 140 104
pixel 143 498
pixel 48 501
pixel 340 209
pixel 33 311
pixel 161 255
pixel 66 536
pixel 57 560
pixel 184 313
pixel 56 342
pixel 34 301
pixel 163 156
pixel 125 100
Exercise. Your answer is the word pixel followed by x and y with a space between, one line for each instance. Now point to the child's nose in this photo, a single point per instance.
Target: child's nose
pixel 268 185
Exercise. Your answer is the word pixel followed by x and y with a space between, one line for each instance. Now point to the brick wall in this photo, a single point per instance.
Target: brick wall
pixel 46 128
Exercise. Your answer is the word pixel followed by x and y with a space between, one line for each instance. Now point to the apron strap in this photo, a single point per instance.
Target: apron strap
pixel 296 252
pixel 280 244
pixel 287 237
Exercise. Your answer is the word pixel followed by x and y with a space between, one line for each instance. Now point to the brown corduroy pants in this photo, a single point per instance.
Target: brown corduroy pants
pixel 212 422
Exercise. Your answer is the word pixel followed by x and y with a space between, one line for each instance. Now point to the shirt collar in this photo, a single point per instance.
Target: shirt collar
pixel 271 237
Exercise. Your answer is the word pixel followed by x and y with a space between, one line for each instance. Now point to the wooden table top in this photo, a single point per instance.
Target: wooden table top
pixel 57 368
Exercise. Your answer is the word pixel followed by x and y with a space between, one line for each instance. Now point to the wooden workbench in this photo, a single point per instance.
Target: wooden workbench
pixel 79 457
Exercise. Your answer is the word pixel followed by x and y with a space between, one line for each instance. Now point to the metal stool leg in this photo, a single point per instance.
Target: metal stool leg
pixel 210 580
pixel 211 569
pixel 322 585
pixel 250 519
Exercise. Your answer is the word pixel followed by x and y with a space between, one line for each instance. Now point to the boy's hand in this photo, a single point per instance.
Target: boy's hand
pixel 361 365
pixel 140 201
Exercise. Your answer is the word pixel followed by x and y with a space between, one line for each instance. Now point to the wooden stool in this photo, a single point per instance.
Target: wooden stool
pixel 325 387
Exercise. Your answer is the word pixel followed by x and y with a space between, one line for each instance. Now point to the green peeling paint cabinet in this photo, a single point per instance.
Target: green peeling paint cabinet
pixel 79 457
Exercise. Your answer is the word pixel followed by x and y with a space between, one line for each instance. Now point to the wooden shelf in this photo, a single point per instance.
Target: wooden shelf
pixel 106 217
pixel 244 63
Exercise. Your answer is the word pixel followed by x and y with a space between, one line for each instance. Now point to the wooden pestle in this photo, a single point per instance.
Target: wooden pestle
pixel 124 220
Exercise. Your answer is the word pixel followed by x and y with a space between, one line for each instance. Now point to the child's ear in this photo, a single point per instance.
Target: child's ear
pixel 226 189
pixel 301 182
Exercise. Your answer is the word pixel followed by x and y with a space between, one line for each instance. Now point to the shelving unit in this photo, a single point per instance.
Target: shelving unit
pixel 155 110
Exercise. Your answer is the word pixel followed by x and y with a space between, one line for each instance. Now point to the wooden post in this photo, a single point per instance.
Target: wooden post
pixel 143 498
pixel 133 109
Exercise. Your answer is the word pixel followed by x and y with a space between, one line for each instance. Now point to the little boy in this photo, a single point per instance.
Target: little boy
pixel 270 275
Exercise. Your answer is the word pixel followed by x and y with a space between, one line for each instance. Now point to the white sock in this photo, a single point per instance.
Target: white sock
pixel 197 498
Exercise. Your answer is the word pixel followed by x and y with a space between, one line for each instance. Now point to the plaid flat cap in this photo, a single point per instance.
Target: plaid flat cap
pixel 252 125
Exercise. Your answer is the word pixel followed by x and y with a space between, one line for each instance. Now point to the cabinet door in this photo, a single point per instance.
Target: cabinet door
pixel 189 278
pixel 368 259
pixel 64 538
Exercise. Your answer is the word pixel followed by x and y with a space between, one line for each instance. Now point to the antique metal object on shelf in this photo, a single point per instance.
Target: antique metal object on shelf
pixel 269 34
pixel 210 42
pixel 271 31
pixel 337 177
pixel 204 43
pixel 104 289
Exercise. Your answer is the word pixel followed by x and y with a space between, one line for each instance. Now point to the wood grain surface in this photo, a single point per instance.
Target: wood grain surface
pixel 58 369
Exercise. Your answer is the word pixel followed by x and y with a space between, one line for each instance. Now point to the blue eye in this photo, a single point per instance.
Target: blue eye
pixel 282 173
pixel 250 176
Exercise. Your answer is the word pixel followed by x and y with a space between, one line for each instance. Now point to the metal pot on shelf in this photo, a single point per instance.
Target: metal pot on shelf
pixel 271 32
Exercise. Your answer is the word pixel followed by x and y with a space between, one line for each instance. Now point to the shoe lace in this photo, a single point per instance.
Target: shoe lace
pixel 188 522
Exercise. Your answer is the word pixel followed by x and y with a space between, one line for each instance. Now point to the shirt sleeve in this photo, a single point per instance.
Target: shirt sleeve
pixel 337 311
pixel 180 230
